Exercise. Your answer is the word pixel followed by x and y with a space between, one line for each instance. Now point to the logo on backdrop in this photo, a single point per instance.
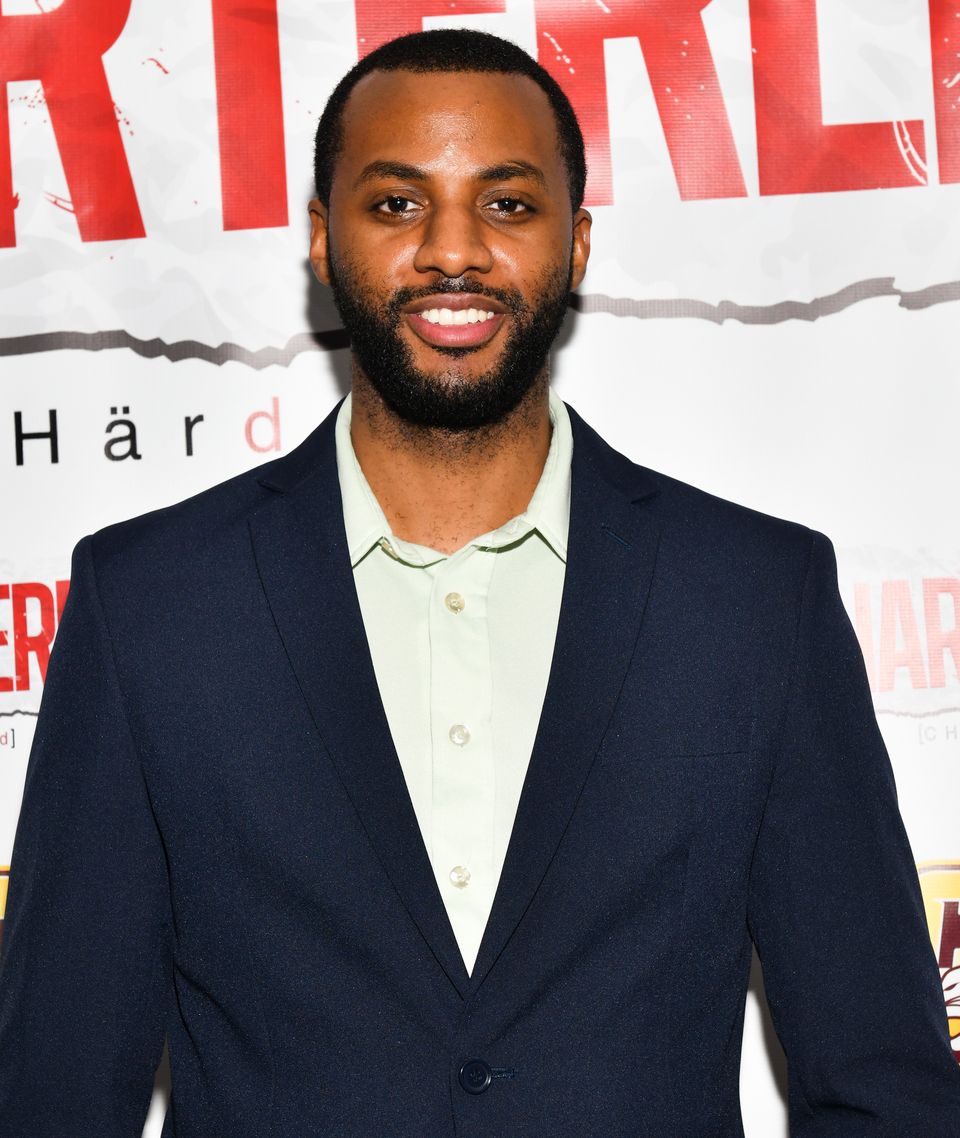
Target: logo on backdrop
pixel 27 629
pixel 940 885
pixel 797 153
pixel 37 435
pixel 4 879
pixel 909 631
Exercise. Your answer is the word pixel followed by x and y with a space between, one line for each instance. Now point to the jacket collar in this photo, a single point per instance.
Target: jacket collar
pixel 287 473
pixel 301 551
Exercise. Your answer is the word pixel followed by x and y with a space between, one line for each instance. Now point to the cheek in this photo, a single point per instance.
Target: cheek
pixel 356 270
pixel 540 258
pixel 550 281
pixel 380 270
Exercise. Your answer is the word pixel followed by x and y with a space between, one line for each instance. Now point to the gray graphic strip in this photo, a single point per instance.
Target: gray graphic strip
pixel 256 358
pixel 336 338
pixel 783 310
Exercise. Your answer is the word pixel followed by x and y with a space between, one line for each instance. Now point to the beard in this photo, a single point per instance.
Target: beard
pixel 445 398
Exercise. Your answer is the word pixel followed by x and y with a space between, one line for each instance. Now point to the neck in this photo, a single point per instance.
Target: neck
pixel 442 488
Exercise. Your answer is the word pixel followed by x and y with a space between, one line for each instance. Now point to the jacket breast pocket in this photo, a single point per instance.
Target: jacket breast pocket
pixel 659 780
pixel 707 738
pixel 655 776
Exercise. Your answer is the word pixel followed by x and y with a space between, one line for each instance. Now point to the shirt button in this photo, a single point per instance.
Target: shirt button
pixel 475 1076
pixel 460 876
pixel 459 735
pixel 454 602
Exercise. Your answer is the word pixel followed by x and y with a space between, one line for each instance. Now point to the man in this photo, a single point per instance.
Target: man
pixel 460 819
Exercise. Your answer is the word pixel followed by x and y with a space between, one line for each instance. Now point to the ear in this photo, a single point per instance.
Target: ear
pixel 580 253
pixel 319 243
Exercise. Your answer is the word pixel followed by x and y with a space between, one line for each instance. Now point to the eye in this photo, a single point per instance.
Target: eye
pixel 395 206
pixel 511 207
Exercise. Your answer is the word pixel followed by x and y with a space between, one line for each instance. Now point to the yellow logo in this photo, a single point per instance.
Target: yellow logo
pixel 940 885
pixel 4 878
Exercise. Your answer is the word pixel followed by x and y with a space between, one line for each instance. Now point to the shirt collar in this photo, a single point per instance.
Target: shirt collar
pixel 548 512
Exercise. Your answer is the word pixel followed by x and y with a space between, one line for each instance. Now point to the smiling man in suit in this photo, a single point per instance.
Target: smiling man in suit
pixel 461 817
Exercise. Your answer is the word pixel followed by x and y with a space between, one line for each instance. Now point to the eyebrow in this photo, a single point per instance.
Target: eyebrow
pixel 503 171
pixel 515 169
pixel 400 170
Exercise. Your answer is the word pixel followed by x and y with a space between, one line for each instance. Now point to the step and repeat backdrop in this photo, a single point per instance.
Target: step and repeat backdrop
pixel 770 311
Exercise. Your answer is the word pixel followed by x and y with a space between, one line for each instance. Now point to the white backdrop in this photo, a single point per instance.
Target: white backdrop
pixel 787 345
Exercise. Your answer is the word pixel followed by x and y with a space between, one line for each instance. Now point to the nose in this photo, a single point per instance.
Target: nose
pixel 454 242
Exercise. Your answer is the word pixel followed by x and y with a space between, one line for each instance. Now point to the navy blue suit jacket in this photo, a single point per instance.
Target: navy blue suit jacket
pixel 216 845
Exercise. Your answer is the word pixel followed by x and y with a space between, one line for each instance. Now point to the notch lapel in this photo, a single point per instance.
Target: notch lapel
pixel 301 554
pixel 611 550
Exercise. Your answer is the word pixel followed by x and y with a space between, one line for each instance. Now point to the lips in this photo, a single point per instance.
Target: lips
pixel 455 320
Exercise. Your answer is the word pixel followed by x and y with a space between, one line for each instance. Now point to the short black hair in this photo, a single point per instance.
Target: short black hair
pixel 449 49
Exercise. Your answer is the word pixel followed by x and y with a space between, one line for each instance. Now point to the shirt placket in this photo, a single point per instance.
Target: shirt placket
pixel 464 789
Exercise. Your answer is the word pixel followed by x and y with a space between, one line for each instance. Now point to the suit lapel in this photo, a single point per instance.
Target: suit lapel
pixel 611 554
pixel 301 554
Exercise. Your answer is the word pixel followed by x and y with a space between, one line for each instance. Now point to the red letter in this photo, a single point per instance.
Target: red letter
pixel 253 164
pixel 273 418
pixel 797 154
pixel 863 622
pixel 940 640
pixel 949 935
pixel 570 37
pixel 944 52
pixel 378 22
pixel 6 682
pixel 63 49
pixel 25 643
pixel 63 587
pixel 896 609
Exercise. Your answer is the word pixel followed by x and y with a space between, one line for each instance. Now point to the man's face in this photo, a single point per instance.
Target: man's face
pixel 449 241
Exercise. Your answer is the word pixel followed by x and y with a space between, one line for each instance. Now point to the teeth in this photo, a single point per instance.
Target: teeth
pixel 456 316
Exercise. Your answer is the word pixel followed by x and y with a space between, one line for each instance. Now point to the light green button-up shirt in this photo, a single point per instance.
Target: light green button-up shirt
pixel 461 647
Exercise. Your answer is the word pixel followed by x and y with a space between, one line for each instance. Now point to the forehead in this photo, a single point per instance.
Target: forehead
pixel 465 118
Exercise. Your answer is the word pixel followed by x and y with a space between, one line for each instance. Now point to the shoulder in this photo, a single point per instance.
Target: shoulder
pixel 711 522
pixel 679 507
pixel 700 530
pixel 204 537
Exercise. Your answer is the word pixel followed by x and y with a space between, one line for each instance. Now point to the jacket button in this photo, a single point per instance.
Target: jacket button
pixel 475 1076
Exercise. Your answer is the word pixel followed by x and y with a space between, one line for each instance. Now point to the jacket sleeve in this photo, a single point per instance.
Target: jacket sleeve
pixel 835 908
pixel 84 967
